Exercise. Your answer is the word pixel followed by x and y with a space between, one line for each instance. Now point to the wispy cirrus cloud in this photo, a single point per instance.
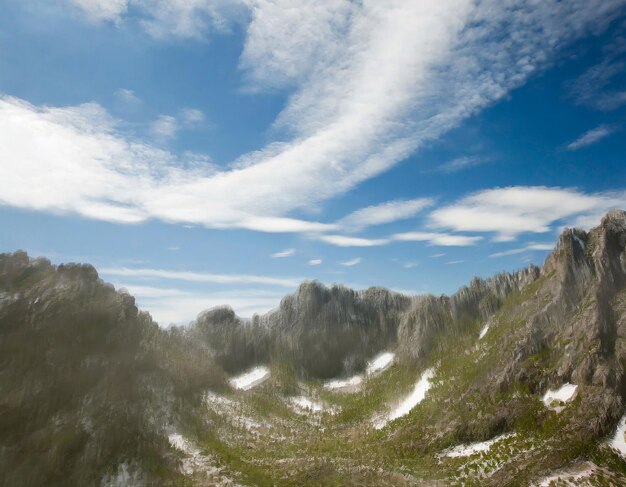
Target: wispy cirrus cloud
pixel 591 137
pixel 390 211
pixel 351 262
pixel 461 163
pixel 283 253
pixel 532 246
pixel 433 238
pixel 370 83
pixel 166 274
pixel 509 212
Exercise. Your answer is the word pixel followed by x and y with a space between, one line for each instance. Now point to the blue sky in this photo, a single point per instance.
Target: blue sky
pixel 208 152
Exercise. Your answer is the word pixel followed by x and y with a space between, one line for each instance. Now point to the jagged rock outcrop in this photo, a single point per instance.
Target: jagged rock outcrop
pixel 327 332
pixel 430 315
pixel 88 382
pixel 323 332
pixel 236 344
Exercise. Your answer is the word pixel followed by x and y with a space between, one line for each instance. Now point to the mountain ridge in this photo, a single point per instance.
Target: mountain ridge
pixel 97 393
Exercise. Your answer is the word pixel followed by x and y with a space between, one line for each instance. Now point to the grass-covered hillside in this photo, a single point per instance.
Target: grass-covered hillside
pixel 514 380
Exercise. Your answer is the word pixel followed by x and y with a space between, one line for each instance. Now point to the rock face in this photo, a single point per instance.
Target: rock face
pixel 91 386
pixel 327 332
pixel 88 383
pixel 323 332
pixel 430 315
pixel 577 313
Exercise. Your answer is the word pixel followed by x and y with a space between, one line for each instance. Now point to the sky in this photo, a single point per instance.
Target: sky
pixel 208 152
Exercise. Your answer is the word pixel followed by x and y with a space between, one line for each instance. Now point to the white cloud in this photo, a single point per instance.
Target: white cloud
pixel 198 276
pixel 192 116
pixel 283 253
pixel 315 262
pixel 442 239
pixel 436 256
pixel 461 163
pixel 510 211
pixel 351 262
pixel 591 137
pixel 409 265
pixel 453 262
pixel 387 212
pixel 102 10
pixel 127 97
pixel 164 127
pixel 345 241
pixel 530 247
pixel 371 83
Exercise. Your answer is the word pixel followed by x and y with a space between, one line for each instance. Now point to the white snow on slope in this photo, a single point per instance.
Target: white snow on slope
pixel 569 477
pixel 303 404
pixel 483 331
pixel 554 397
pixel 251 378
pixel 467 450
pixel 417 395
pixel 618 441
pixel 350 383
pixel 380 363
pixel 194 460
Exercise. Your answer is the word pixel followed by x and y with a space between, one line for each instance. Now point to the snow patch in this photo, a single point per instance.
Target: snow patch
pixel 234 411
pixel 127 475
pixel 417 395
pixel 251 379
pixel 351 383
pixel 307 405
pixel 569 476
pixel 553 398
pixel 618 441
pixel 482 446
pixel 483 331
pixel 194 460
pixel 380 363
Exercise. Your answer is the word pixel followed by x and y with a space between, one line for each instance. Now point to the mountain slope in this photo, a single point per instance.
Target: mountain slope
pixel 88 383
pixel 513 380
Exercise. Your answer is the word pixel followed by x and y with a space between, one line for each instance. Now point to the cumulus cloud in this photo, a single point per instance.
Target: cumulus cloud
pixel 371 83
pixel 387 212
pixel 591 137
pixel 283 253
pixel 315 262
pixel 508 212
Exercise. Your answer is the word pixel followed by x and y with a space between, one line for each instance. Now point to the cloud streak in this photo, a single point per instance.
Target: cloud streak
pixel 509 212
pixel 146 273
pixel 371 84
pixel 591 137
